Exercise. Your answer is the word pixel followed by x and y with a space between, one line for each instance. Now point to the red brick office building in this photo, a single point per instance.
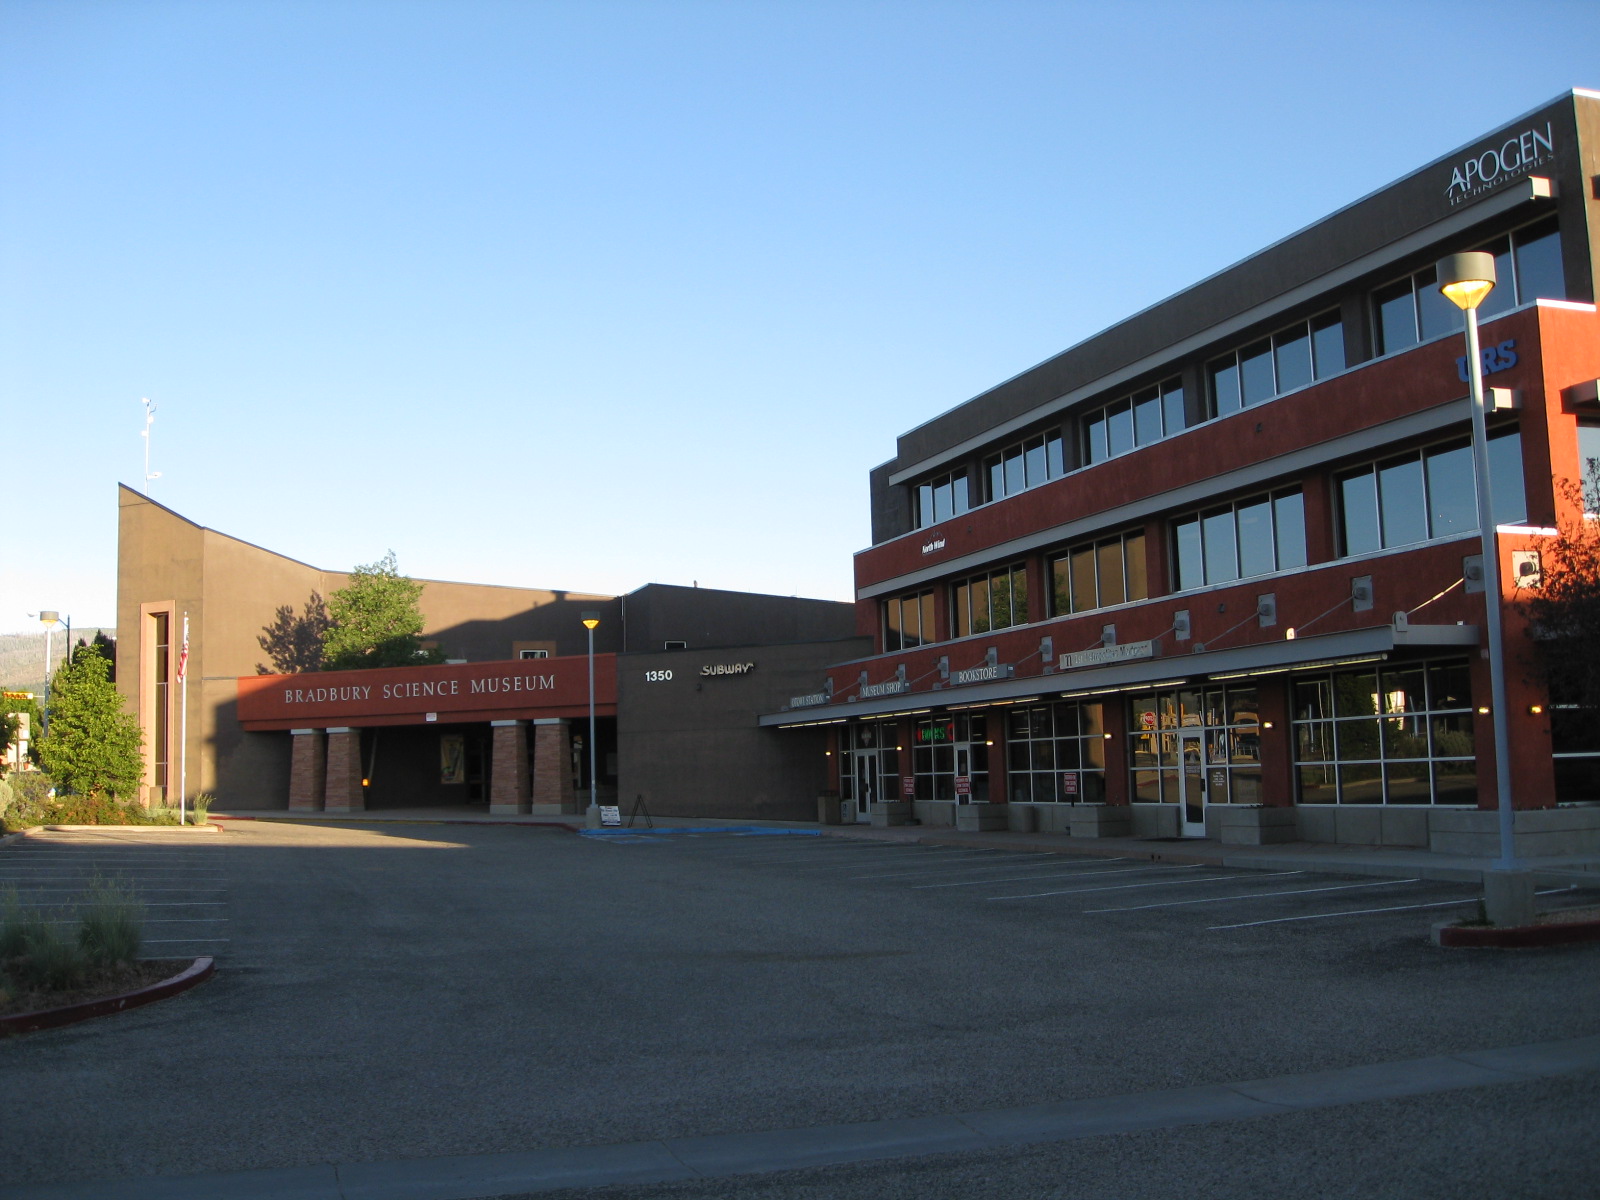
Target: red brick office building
pixel 1216 569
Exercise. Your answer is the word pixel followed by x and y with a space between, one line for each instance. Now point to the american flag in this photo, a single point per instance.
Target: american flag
pixel 183 654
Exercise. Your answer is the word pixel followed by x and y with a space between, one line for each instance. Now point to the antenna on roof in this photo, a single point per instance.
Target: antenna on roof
pixel 149 420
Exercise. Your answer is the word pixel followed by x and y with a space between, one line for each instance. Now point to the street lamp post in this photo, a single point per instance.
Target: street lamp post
pixel 1465 279
pixel 49 620
pixel 592 816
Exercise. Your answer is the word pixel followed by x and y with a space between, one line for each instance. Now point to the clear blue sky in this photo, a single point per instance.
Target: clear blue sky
pixel 589 295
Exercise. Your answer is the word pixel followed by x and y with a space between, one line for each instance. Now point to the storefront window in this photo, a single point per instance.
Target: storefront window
pixel 1388 734
pixel 1056 753
pixel 950 758
pixel 1228 744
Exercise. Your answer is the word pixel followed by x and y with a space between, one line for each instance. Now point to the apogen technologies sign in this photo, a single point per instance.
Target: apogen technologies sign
pixel 1511 159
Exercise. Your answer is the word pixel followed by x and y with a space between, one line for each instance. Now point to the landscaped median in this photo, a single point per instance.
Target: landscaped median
pixel 61 963
pixel 195 972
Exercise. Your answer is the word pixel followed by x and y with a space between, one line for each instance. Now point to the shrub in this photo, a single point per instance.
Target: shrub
pixel 200 806
pixel 110 923
pixel 33 949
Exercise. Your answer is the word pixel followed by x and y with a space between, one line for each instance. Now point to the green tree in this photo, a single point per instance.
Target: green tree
pixel 93 746
pixel 376 621
pixel 1565 608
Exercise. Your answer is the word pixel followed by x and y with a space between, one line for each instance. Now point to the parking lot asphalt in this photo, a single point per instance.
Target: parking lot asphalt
pixel 399 993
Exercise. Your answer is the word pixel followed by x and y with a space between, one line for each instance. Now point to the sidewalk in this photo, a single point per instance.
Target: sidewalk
pixel 1386 862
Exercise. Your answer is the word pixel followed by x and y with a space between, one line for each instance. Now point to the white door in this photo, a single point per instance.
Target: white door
pixel 866 783
pixel 1191 783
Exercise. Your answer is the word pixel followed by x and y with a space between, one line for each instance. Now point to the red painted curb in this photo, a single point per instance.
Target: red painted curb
pixel 1519 936
pixel 50 1018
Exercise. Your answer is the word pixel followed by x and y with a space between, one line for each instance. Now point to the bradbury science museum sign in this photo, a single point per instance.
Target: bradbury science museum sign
pixel 545 687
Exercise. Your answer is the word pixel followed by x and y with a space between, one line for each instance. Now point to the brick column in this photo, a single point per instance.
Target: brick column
pixel 508 771
pixel 343 789
pixel 308 761
pixel 552 767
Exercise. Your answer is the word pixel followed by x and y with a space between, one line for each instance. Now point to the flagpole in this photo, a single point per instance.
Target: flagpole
pixel 183 725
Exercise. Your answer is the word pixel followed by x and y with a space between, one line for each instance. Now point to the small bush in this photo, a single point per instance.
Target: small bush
pixel 6 797
pixel 200 806
pixel 33 949
pixel 110 923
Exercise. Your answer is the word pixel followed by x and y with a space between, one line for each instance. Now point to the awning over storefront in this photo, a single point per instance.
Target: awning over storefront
pixel 1160 668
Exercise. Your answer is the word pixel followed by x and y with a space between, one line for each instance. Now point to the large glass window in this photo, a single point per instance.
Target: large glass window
pixel 1230 743
pixel 1037 460
pixel 993 600
pixel 1056 752
pixel 908 622
pixel 950 758
pixel 1427 494
pixel 1133 421
pixel 1385 733
pixel 1096 574
pixel 1527 266
pixel 1289 359
pixel 1256 536
pixel 941 498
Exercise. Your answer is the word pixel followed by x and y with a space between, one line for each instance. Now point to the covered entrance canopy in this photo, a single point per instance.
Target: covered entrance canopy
pixel 327 713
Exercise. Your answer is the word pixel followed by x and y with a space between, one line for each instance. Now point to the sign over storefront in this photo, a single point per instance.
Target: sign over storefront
pixel 544 687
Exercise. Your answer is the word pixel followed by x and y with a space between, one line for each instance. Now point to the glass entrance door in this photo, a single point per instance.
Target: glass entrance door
pixel 866 789
pixel 1191 783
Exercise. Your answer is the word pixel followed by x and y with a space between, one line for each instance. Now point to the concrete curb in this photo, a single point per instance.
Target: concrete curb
pixel 35 830
pixel 52 1018
pixel 318 818
pixel 1517 937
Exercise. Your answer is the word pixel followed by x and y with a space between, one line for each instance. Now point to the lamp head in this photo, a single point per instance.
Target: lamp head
pixel 591 620
pixel 49 617
pixel 1466 279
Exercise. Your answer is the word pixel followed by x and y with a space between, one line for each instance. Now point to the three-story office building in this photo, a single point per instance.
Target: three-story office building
pixel 1218 566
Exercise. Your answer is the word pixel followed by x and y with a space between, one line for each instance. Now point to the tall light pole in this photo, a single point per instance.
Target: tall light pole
pixel 49 620
pixel 592 816
pixel 1466 279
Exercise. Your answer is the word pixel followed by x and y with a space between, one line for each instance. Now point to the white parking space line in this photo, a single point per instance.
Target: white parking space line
pixel 834 853
pixel 1043 860
pixel 197 941
pixel 1359 912
pixel 1052 875
pixel 1187 881
pixel 934 858
pixel 1353 912
pixel 1256 895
